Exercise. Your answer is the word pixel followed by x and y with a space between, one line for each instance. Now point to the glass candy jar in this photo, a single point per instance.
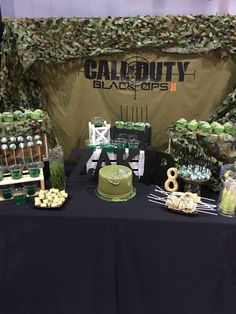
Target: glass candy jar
pixel 56 167
pixel 227 201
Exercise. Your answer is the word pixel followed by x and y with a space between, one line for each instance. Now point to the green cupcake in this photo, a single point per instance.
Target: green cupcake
pixel 192 125
pixel 16 113
pixel 205 126
pixel 217 127
pixel 181 123
pixel 228 127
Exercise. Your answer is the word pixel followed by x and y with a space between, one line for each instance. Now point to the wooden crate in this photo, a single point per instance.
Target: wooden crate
pixel 7 180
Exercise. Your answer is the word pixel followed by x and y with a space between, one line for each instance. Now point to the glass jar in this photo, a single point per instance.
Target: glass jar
pixel 56 167
pixel 20 196
pixel 227 201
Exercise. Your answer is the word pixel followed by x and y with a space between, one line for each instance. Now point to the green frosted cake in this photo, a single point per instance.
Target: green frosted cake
pixel 115 183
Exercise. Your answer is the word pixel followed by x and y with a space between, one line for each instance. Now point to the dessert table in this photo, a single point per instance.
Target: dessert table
pixel 99 257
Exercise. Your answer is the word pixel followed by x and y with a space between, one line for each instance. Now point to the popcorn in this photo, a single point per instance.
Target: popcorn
pixel 50 198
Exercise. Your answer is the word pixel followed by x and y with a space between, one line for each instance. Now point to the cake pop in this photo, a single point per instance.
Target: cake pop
pixel 4 140
pixel 29 138
pixel 20 139
pixel 12 139
pixel 37 137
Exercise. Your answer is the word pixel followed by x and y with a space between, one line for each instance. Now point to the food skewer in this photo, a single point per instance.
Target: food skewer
pixel 209 213
pixel 200 211
pixel 153 201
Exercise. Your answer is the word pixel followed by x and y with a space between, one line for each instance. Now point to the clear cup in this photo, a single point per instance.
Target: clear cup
pixel 20 196
pixel 7 191
pixel 90 145
pixel 34 169
pixel 120 142
pixel 31 188
pixel 16 171
pixel 2 171
pixel 133 144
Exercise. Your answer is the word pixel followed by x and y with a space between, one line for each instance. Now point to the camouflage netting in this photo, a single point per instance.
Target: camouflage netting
pixel 56 40
pixel 28 41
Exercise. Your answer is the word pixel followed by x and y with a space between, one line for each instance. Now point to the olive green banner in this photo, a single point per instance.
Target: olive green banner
pixel 169 85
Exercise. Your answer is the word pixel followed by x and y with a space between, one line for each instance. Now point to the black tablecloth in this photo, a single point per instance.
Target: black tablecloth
pixel 96 257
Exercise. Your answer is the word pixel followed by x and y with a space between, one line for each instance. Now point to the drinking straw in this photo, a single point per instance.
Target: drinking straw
pixel 137 114
pixel 132 114
pixel 127 109
pixel 121 113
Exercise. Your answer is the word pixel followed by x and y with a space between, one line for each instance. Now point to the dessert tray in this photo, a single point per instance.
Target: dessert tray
pixel 50 199
pixel 185 203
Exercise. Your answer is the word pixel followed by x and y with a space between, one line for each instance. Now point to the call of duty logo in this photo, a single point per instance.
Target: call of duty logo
pixel 136 74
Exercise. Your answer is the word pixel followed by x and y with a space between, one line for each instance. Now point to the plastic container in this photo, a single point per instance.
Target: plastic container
pixel 56 167
pixel 20 196
pixel 227 200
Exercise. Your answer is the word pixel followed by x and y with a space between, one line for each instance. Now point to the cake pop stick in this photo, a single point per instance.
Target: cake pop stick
pixel 30 146
pixel 22 146
pixel 39 143
pixel 4 147
pixel 13 148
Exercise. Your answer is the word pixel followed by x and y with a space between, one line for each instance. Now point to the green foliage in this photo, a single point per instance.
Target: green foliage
pixel 56 40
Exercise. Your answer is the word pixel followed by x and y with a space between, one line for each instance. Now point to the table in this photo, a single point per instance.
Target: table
pixel 115 258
